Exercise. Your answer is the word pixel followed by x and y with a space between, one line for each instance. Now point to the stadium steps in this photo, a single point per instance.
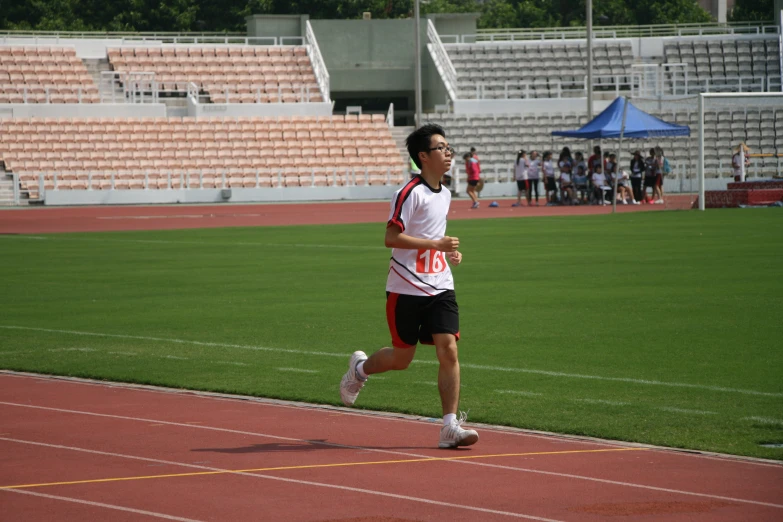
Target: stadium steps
pixel 399 134
pixel 95 67
pixel 6 191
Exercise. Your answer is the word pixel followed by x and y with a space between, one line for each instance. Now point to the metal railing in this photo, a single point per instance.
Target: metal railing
pixel 319 67
pixel 201 180
pixel 48 37
pixel 441 59
pixel 34 95
pixel 672 80
pixel 631 31
pixel 128 87
pixel 229 94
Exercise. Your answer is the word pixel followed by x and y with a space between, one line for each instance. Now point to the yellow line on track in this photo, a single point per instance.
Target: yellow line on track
pixel 312 466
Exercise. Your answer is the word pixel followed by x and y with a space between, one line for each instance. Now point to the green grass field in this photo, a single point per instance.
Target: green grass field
pixel 657 327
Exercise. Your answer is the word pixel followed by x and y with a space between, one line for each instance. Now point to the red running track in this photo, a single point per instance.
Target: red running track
pixel 40 220
pixel 79 450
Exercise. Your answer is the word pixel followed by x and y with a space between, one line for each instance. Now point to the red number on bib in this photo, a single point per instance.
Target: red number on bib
pixel 430 262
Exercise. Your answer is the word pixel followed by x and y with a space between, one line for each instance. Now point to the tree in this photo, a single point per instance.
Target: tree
pixel 752 11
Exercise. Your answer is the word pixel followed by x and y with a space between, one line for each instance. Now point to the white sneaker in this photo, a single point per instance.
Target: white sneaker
pixel 453 435
pixel 659 202
pixel 352 384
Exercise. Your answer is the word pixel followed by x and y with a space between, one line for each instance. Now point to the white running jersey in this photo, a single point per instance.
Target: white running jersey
pixel 420 211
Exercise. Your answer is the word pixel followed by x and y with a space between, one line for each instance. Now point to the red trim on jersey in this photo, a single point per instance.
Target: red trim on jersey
pixel 391 318
pixel 414 286
pixel 401 197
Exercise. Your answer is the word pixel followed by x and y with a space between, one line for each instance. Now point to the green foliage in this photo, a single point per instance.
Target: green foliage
pixel 229 15
pixel 752 11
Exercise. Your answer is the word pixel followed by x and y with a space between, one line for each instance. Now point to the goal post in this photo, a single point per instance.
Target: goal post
pixel 768 103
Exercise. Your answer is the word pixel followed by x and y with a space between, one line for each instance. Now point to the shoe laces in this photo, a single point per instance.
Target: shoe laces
pixel 463 416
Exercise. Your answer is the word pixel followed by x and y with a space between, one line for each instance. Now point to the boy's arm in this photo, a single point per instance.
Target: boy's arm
pixel 396 239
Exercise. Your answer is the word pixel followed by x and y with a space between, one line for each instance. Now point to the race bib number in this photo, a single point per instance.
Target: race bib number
pixel 430 262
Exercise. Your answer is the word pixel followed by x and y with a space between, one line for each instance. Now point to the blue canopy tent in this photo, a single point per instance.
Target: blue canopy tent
pixel 623 120
pixel 638 124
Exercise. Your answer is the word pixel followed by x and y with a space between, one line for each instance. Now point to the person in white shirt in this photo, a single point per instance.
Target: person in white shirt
pixel 600 187
pixel 533 174
pixel 421 306
pixel 520 176
pixel 736 162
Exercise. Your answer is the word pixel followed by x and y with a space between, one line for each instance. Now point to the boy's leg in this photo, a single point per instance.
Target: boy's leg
pixel 448 372
pixel 387 359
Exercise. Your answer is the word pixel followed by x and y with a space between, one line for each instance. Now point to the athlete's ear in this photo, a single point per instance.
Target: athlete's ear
pixel 422 155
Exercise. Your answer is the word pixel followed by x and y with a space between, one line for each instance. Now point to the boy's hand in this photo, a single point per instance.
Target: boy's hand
pixel 447 244
pixel 455 257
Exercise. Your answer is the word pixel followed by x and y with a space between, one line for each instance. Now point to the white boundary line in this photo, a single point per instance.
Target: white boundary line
pixel 403 453
pixel 100 504
pixel 283 479
pixel 417 361
pixel 397 417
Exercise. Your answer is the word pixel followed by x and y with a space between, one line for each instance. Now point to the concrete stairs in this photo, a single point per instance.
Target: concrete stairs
pixel 7 191
pixel 399 134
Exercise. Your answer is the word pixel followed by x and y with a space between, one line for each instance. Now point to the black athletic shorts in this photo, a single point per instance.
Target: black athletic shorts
pixel 413 318
pixel 551 184
pixel 473 182
pixel 521 185
pixel 649 181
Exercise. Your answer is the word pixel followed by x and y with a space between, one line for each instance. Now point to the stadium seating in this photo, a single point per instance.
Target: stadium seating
pixel 44 75
pixel 228 74
pixel 498 138
pixel 721 64
pixel 159 153
pixel 536 69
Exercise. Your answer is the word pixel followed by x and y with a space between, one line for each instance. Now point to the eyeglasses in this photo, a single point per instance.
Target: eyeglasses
pixel 444 149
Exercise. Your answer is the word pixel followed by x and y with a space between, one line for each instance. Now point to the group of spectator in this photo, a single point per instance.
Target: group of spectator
pixel 590 182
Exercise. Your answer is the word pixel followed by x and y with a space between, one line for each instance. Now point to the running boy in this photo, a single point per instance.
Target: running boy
pixel 420 303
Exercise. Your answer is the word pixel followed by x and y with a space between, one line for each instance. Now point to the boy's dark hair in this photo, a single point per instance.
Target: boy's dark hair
pixel 596 150
pixel 419 140
pixel 466 156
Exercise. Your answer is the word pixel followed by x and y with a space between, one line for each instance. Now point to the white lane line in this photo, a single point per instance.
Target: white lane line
pixel 293 481
pixel 124 353
pixel 765 420
pixel 72 350
pixel 174 357
pixel 416 361
pixel 232 363
pixel 377 415
pixel 519 392
pixel 297 370
pixel 686 411
pixel 100 504
pixel 428 383
pixel 393 452
pixel 603 401
pixel 16 352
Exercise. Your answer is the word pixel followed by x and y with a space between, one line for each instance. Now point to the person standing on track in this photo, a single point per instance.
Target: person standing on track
pixel 421 306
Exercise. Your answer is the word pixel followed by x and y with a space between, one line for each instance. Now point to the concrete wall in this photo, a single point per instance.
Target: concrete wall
pixel 276 25
pixel 82 110
pixel 233 110
pixel 368 55
pixel 528 106
pixel 237 195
